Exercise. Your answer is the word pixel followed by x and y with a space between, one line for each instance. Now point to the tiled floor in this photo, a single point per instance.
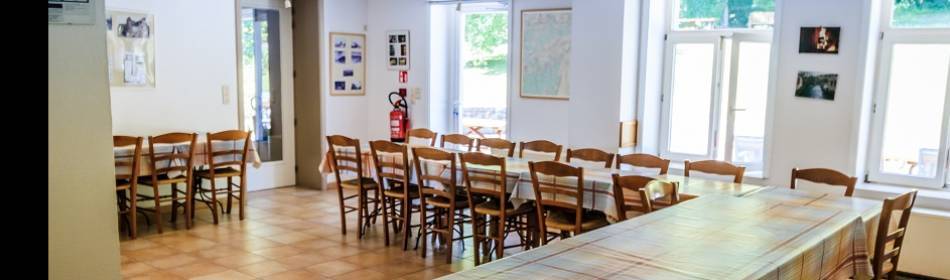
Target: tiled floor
pixel 289 233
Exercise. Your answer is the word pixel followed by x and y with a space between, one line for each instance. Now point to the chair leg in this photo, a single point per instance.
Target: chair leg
pixel 242 208
pixel 476 237
pixel 214 201
pixel 385 222
pixel 174 204
pixel 449 232
pixel 339 190
pixel 500 244
pixel 189 205
pixel 133 217
pixel 158 209
pixel 423 223
pixel 230 192
pixel 406 221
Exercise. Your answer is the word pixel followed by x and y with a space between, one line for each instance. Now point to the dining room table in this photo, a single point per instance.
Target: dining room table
pixel 199 160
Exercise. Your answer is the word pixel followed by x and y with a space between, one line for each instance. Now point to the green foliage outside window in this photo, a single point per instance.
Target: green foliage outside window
pixel 921 13
pixel 486 37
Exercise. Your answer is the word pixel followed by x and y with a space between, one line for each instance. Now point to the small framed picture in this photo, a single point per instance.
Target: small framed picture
pixel 398 56
pixel 816 85
pixel 822 40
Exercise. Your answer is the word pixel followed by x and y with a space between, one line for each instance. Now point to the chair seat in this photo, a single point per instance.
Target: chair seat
pixel 565 221
pixel 461 202
pixel 218 172
pixel 163 179
pixel 397 192
pixel 368 183
pixel 122 184
pixel 492 208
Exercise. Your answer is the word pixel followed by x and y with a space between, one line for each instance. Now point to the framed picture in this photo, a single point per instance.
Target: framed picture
pixel 347 68
pixel 816 85
pixel 545 53
pixel 130 47
pixel 819 40
pixel 397 57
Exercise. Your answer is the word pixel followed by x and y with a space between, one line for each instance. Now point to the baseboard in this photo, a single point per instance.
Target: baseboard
pixel 916 276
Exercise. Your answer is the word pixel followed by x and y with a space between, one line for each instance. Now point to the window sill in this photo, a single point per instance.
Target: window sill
pixel 931 202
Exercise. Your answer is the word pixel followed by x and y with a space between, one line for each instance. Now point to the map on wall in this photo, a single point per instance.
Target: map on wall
pixel 545 53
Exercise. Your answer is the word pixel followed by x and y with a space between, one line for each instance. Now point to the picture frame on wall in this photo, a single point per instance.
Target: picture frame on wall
pixel 130 48
pixel 819 39
pixel 544 70
pixel 397 56
pixel 816 85
pixel 347 66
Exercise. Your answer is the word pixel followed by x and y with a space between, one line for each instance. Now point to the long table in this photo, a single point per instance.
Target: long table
pixel 200 157
pixel 771 233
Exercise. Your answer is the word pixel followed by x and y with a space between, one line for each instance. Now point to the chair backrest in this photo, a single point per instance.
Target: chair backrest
pixel 658 189
pixel 547 192
pixel 424 134
pixel 224 145
pixel 543 146
pixel 490 180
pixel 627 193
pixel 345 156
pixel 825 176
pixel 592 155
pixel 459 140
pixel 496 144
pixel 715 167
pixel 181 148
pixel 131 163
pixel 904 204
pixel 645 161
pixel 391 161
pixel 435 173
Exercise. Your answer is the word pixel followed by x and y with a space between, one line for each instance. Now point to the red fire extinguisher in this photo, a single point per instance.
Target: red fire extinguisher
pixel 398 117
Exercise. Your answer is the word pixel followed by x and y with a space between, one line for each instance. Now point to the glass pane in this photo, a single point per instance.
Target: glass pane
pixel 921 13
pixel 915 102
pixel 719 14
pixel 260 39
pixel 483 95
pixel 691 98
pixel 752 82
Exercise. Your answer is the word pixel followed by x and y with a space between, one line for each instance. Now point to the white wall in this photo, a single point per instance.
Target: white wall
pixel 345 115
pixel 83 236
pixel 195 58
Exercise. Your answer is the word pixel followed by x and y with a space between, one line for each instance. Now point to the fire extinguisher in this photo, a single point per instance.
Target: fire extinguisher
pixel 398 117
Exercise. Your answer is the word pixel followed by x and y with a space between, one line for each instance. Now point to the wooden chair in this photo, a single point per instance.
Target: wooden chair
pixel 569 217
pixel 459 140
pixel 627 194
pixel 658 189
pixel 126 184
pixel 436 173
pixel 502 216
pixel 884 261
pixel 826 176
pixel 542 146
pixel 393 172
pixel 593 155
pixel 226 159
pixel 424 134
pixel 346 156
pixel 645 161
pixel 496 144
pixel 716 167
pixel 170 168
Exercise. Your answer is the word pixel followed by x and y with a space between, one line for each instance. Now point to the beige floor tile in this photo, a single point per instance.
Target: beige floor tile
pixel 333 268
pixel 262 269
pixel 225 275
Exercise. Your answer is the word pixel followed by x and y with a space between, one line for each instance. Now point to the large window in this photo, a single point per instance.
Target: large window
pixel 912 107
pixel 717 81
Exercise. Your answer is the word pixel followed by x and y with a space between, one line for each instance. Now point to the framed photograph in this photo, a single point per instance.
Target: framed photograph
pixel 819 40
pixel 816 85
pixel 398 56
pixel 347 70
pixel 545 53
pixel 130 47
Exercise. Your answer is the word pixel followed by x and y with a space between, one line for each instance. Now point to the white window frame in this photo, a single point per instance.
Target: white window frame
pixel 718 36
pixel 891 36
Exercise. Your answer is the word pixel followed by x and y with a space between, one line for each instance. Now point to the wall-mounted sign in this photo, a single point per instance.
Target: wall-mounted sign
pixel 71 11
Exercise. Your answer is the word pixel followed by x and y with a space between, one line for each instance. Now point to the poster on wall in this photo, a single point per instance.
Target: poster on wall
pixel 816 85
pixel 819 40
pixel 71 12
pixel 347 70
pixel 545 53
pixel 397 57
pixel 130 44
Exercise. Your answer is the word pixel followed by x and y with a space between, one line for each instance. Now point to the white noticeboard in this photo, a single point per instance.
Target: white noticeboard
pixel 71 11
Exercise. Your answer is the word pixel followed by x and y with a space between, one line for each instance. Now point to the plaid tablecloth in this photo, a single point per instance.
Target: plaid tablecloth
pixel 710 237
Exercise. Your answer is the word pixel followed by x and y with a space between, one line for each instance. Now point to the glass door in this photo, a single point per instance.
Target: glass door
pixel 481 107
pixel 748 95
pixel 690 97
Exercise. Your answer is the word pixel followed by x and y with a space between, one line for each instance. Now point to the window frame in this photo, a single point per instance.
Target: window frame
pixel 891 36
pixel 718 121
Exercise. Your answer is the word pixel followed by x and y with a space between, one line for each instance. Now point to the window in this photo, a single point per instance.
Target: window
pixel 912 106
pixel 716 82
pixel 723 14
pixel 260 62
